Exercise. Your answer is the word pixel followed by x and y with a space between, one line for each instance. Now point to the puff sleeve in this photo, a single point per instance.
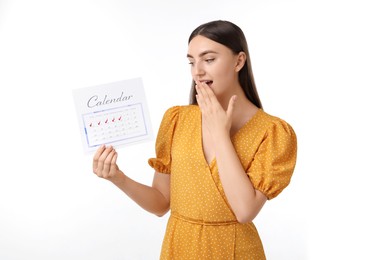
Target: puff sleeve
pixel 274 162
pixel 162 162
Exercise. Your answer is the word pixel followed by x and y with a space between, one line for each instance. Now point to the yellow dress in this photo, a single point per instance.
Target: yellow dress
pixel 202 225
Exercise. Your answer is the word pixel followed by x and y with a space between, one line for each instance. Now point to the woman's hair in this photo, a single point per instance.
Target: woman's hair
pixel 231 36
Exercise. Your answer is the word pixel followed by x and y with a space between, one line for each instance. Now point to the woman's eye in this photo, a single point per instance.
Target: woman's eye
pixel 209 60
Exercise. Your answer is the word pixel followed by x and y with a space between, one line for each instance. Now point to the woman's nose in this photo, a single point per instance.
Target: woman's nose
pixel 198 69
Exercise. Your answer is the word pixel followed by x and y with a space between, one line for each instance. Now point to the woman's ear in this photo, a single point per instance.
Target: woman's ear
pixel 241 59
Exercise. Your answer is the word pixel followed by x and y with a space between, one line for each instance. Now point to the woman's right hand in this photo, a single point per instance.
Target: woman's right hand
pixel 104 164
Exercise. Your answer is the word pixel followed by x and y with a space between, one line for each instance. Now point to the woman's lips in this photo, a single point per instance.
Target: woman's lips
pixel 209 82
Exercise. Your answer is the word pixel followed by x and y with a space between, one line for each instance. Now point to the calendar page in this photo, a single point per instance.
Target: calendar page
pixel 113 114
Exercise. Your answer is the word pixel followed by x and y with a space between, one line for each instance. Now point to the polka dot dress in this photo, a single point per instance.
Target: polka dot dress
pixel 202 225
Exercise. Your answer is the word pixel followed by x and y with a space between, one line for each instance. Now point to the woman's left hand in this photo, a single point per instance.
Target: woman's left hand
pixel 215 118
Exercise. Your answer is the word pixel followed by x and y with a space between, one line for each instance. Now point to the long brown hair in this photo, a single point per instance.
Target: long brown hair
pixel 230 35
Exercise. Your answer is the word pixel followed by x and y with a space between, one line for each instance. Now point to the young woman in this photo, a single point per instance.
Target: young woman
pixel 218 160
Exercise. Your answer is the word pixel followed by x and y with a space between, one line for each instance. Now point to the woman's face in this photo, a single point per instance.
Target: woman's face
pixel 213 63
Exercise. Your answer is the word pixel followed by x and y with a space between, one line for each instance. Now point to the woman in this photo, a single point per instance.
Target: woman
pixel 217 160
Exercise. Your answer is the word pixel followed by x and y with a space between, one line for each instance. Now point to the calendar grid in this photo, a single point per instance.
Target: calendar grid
pixel 114 125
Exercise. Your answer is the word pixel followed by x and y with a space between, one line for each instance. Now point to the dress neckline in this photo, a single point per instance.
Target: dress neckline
pixel 233 137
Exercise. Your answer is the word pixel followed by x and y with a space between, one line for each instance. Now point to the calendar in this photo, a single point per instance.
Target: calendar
pixel 113 114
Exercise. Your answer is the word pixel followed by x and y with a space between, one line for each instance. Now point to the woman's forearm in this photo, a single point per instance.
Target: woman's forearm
pixel 245 201
pixel 149 198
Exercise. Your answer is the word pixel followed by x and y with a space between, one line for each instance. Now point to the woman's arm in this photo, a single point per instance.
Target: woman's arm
pixel 155 199
pixel 243 198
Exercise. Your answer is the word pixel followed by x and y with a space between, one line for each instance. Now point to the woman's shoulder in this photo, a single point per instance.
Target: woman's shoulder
pixel 180 113
pixel 270 120
pixel 182 110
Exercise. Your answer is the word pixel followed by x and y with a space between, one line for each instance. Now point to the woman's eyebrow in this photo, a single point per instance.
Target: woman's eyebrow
pixel 202 53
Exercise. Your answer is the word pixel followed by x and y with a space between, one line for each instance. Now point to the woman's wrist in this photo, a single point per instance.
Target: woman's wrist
pixel 221 136
pixel 119 179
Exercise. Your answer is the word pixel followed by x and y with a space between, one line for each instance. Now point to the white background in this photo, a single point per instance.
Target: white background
pixel 323 66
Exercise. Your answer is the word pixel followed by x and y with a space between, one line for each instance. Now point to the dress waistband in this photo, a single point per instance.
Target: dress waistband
pixel 202 222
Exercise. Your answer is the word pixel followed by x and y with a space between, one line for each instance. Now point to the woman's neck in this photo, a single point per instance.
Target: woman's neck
pixel 236 91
